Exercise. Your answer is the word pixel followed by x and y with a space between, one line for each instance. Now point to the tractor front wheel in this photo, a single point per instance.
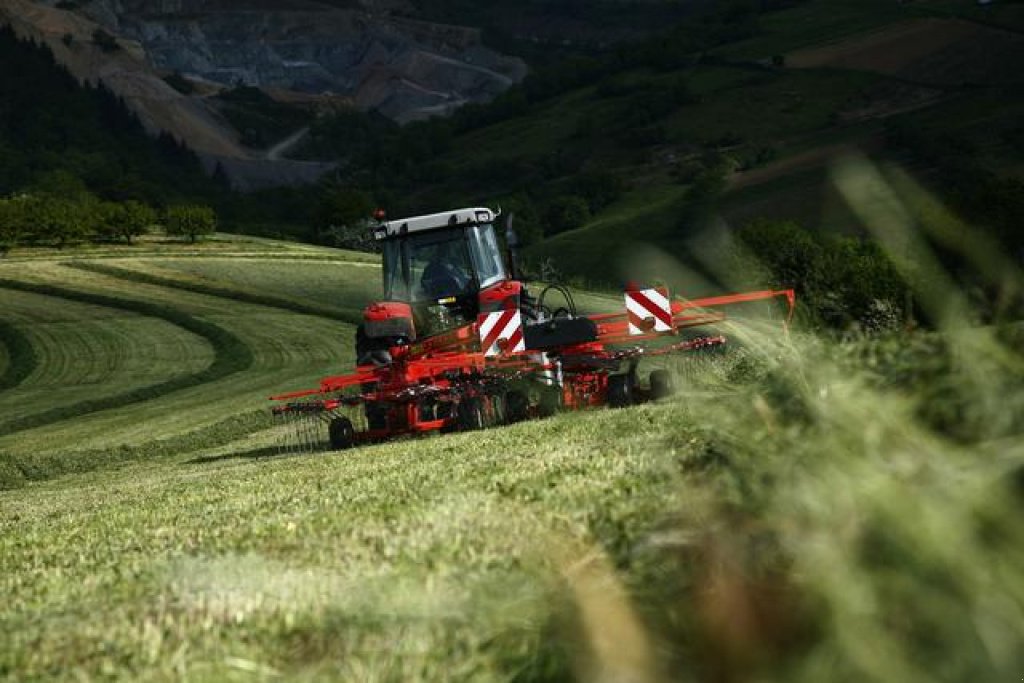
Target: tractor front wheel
pixel 342 434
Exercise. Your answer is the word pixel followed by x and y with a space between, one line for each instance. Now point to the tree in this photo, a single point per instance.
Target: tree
pixel 598 188
pixel 124 220
pixel 190 220
pixel 66 222
pixel 12 218
pixel 791 254
pixel 526 223
pixel 138 218
pixel 340 219
pixel 18 223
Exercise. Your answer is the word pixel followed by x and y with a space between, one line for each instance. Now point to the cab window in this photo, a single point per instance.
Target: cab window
pixel 428 266
pixel 486 254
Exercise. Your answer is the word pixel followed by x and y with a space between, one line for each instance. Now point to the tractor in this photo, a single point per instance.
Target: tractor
pixel 458 343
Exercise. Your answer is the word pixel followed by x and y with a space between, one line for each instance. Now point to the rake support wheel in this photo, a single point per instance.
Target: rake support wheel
pixel 341 433
pixel 517 407
pixel 620 390
pixel 471 414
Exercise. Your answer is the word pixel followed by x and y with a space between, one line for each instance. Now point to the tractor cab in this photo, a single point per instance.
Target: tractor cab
pixel 437 265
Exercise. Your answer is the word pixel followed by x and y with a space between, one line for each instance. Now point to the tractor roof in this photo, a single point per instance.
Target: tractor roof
pixel 434 221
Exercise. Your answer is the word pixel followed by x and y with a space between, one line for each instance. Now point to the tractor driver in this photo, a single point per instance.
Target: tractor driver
pixel 447 273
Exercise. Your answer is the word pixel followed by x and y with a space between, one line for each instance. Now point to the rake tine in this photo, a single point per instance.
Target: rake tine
pixel 286 433
pixel 311 424
pixel 310 434
pixel 284 439
pixel 280 425
pixel 304 433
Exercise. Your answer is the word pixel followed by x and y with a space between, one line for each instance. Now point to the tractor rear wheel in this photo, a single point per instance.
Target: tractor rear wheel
pixel 662 385
pixel 341 433
pixel 620 391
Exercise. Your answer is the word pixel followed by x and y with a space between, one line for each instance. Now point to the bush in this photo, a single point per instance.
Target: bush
pixel 566 213
pixel 841 282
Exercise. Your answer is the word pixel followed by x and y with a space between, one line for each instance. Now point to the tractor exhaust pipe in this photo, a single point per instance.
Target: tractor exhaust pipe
pixel 512 239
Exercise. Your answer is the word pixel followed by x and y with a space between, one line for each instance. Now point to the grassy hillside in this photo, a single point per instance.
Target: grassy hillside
pixel 707 126
pixel 802 510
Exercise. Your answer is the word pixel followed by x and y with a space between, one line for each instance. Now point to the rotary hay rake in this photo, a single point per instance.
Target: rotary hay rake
pixel 452 383
pixel 488 353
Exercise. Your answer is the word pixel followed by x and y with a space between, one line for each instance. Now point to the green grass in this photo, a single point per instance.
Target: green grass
pixel 817 22
pixel 598 251
pixel 218 245
pixel 777 107
pixel 802 510
pixel 285 282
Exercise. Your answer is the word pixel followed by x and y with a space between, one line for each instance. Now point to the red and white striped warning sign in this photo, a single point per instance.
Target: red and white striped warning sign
pixel 649 310
pixel 501 332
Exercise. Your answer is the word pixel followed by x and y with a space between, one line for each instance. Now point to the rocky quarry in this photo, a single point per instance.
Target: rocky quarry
pixel 362 53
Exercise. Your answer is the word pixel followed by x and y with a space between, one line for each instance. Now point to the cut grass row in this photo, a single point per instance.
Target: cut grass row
pixel 352 316
pixel 231 355
pixel 219 246
pixel 289 351
pixel 19 357
pixel 323 284
pixel 18 471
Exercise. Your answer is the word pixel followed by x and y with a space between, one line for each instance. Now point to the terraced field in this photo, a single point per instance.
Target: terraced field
pixel 790 516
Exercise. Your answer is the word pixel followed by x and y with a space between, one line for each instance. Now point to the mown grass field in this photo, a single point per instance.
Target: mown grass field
pixel 256 350
pixel 801 510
